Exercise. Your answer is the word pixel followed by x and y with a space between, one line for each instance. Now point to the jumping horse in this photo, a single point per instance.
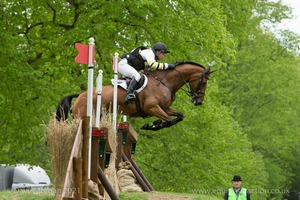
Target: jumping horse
pixel 154 100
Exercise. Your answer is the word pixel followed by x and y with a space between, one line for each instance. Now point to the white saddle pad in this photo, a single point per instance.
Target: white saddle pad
pixel 122 83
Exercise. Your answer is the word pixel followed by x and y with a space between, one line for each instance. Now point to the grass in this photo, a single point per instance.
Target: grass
pixel 47 195
pixel 164 195
pixel 26 195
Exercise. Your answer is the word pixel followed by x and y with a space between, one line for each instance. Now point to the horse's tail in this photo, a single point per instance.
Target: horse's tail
pixel 64 107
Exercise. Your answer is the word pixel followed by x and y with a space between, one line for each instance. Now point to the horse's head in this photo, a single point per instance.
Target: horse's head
pixel 198 87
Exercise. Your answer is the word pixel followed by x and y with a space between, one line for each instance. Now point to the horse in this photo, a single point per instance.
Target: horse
pixel 154 100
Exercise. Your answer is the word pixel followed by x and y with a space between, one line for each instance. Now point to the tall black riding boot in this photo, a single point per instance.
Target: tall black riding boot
pixel 130 92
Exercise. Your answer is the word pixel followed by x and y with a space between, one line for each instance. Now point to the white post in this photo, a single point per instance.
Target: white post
pixel 99 93
pixel 90 98
pixel 115 105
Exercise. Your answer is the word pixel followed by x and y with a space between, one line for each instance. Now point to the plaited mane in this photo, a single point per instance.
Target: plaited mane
pixel 189 62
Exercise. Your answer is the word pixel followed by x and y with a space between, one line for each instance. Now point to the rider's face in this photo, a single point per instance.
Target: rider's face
pixel 160 55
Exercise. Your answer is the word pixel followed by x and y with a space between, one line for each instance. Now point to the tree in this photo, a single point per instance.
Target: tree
pixel 262 92
pixel 38 45
pixel 203 157
pixel 38 68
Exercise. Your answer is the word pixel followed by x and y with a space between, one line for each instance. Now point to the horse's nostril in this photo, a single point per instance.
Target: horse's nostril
pixel 198 103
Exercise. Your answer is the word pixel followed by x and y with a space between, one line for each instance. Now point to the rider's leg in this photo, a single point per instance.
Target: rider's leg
pixel 128 71
pixel 130 97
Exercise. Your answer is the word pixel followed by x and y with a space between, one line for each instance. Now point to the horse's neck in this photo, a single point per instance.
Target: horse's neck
pixel 174 79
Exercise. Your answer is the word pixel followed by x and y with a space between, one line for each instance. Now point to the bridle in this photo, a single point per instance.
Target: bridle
pixel 194 93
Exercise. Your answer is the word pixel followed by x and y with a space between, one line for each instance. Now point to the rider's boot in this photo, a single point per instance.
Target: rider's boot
pixel 130 92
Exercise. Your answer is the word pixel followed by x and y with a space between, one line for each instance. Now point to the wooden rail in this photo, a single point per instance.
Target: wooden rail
pixel 101 150
pixel 77 171
pixel 77 165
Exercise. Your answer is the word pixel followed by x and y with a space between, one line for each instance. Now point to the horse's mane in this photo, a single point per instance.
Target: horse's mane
pixel 189 62
pixel 176 64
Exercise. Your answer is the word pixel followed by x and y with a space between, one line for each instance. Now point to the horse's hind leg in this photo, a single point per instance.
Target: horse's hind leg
pixel 173 112
pixel 171 122
pixel 156 122
pixel 158 112
pixel 159 124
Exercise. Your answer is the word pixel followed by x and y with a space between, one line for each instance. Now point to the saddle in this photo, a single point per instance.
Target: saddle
pixel 124 82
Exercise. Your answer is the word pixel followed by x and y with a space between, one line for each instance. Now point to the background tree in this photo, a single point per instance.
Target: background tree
pixel 262 95
pixel 248 102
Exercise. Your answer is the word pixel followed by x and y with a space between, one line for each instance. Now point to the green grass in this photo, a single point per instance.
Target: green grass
pixel 47 195
pixel 146 195
pixel 26 195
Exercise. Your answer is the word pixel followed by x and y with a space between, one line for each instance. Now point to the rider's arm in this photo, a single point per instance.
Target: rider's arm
pixel 151 63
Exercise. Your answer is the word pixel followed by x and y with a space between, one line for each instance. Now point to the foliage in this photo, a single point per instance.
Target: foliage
pixel 202 157
pixel 247 125
pixel 260 89
pixel 39 50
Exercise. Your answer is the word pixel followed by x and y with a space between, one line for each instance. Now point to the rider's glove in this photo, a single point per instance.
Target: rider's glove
pixel 171 66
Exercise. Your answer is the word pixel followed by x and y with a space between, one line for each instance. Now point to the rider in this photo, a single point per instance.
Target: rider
pixel 139 59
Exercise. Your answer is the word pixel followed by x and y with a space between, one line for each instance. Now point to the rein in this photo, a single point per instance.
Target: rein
pixel 201 83
pixel 190 93
pixel 160 80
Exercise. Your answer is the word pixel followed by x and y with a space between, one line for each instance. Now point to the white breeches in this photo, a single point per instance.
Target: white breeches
pixel 127 70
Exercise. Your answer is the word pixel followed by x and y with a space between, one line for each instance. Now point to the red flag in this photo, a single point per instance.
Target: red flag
pixel 83 53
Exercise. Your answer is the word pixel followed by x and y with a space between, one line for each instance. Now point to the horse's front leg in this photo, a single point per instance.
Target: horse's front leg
pixel 157 111
pixel 157 124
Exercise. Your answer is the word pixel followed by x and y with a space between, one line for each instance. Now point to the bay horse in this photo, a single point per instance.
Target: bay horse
pixel 154 100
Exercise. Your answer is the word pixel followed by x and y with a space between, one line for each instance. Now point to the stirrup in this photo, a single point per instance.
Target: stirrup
pixel 129 98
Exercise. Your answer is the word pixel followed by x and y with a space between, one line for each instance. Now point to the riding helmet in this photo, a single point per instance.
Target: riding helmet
pixel 159 46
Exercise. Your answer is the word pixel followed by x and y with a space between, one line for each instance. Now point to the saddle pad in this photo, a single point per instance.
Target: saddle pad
pixel 122 83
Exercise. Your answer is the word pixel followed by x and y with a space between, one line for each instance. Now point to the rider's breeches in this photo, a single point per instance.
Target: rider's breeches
pixel 128 71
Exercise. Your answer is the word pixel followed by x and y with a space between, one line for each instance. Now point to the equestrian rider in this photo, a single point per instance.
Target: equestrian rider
pixel 139 59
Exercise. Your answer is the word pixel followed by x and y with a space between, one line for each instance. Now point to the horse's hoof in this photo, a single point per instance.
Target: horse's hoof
pixel 145 126
pixel 157 122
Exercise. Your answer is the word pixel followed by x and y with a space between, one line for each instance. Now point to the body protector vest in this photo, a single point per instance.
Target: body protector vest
pixel 135 59
pixel 242 195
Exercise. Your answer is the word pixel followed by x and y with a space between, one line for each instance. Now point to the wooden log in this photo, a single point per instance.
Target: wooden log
pixel 130 141
pixel 141 173
pixel 105 146
pixel 109 143
pixel 94 152
pixel 77 167
pixel 74 153
pixel 68 198
pixel 121 129
pixel 132 133
pixel 103 138
pixel 85 156
pixel 137 176
pixel 110 190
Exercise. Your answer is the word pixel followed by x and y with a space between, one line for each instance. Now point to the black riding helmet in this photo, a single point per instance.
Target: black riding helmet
pixel 159 46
